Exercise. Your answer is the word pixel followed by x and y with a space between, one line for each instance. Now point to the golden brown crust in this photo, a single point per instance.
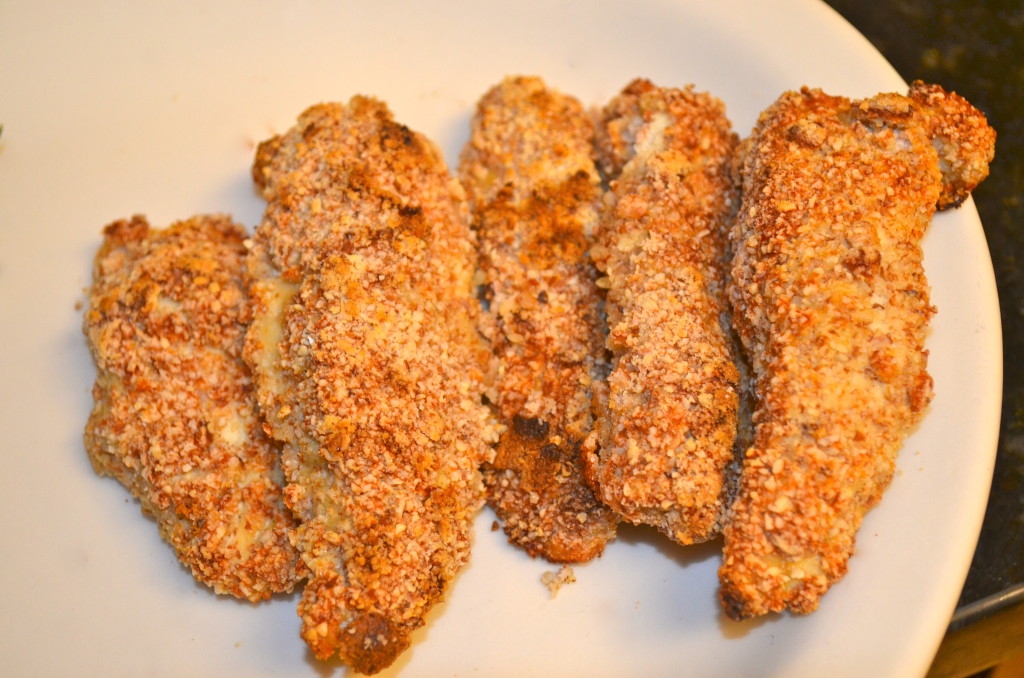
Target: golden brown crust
pixel 668 422
pixel 535 194
pixel 962 136
pixel 370 370
pixel 175 416
pixel 832 304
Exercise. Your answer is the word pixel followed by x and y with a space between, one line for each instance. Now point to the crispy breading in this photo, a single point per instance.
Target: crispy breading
pixel 832 304
pixel 665 436
pixel 175 417
pixel 535 194
pixel 370 371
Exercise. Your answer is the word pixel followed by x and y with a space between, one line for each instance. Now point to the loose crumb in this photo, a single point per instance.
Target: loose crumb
pixel 556 580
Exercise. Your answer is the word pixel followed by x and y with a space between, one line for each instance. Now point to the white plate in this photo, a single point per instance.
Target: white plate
pixel 113 108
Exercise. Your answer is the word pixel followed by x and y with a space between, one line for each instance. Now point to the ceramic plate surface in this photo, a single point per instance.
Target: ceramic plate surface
pixel 116 108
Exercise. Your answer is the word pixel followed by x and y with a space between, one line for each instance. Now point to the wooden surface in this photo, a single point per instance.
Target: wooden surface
pixel 981 645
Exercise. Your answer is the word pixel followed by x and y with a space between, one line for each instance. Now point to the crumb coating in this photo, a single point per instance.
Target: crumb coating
pixel 665 434
pixel 175 418
pixel 370 371
pixel 832 305
pixel 535 194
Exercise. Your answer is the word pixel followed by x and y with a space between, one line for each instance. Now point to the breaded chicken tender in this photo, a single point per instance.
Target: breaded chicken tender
pixel 369 370
pixel 664 443
pixel 833 307
pixel 175 418
pixel 535 194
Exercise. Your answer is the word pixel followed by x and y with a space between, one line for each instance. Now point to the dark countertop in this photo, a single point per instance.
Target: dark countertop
pixel 977 49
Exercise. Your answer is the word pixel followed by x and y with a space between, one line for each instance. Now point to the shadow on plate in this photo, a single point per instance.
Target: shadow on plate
pixel 684 556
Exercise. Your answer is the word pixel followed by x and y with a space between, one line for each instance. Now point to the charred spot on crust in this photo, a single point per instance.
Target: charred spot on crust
pixel 734 605
pixel 530 428
pixel 407 135
pixel 551 451
pixel 377 643
pixel 310 130
pixel 485 294
pixel 952 199
pixel 395 135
